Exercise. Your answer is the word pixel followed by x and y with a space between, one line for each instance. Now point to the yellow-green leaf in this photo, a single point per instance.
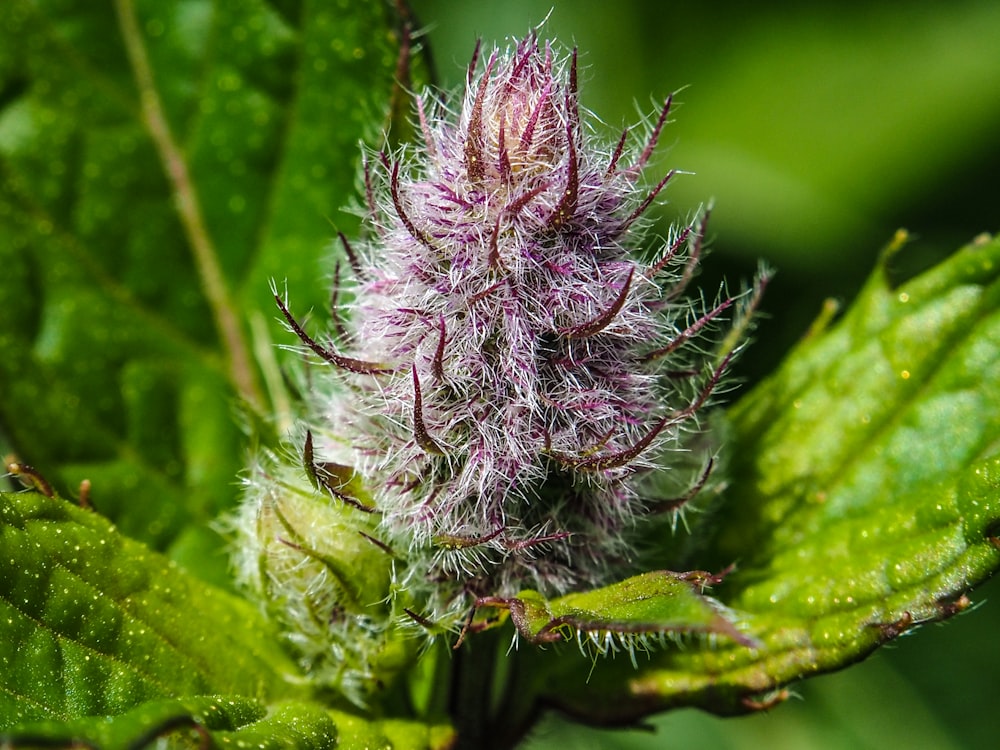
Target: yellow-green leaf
pixel 863 500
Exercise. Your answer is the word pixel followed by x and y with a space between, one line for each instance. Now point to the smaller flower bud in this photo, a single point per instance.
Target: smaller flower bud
pixel 312 558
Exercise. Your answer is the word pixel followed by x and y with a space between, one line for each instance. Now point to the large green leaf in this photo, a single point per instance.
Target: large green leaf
pixel 230 721
pixel 159 163
pixel 863 499
pixel 92 623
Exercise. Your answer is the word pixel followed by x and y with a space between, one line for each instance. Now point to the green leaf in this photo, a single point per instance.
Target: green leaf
pixel 92 623
pixel 229 721
pixel 159 163
pixel 863 500
pixel 658 603
pixel 158 719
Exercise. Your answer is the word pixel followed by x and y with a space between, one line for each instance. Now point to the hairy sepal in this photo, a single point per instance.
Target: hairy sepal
pixel 630 615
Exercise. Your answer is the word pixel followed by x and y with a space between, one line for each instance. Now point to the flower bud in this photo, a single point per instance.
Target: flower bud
pixel 313 559
pixel 508 375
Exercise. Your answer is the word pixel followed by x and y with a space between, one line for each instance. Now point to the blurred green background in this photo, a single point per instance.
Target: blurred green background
pixel 817 130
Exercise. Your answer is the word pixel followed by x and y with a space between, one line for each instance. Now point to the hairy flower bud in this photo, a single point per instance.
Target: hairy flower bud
pixel 325 578
pixel 510 372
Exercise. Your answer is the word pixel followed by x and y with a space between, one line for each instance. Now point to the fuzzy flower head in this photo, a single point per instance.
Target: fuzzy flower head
pixel 509 377
pixel 526 379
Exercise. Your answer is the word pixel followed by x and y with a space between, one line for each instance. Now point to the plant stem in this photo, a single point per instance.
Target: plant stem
pixel 241 368
pixel 472 694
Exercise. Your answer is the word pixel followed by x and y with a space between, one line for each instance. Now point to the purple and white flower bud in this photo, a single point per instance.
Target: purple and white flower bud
pixel 508 372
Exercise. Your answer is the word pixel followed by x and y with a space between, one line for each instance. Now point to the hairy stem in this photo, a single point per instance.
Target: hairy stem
pixel 241 368
pixel 472 694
